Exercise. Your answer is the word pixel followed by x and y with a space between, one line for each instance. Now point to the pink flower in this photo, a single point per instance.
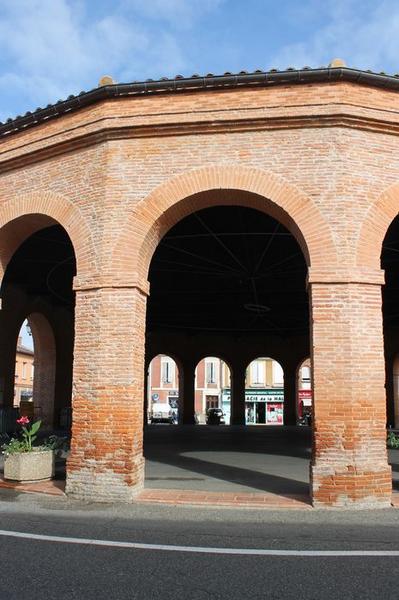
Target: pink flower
pixel 23 421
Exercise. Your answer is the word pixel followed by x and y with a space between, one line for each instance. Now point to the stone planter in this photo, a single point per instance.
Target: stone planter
pixel 37 465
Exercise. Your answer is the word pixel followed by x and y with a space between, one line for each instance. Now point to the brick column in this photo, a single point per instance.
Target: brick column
pixel 237 398
pixel 106 461
pixel 186 394
pixel 64 366
pixel 145 393
pixel 290 394
pixel 393 388
pixel 349 463
pixel 45 368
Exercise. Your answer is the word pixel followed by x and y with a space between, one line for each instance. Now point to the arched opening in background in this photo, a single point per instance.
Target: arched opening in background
pixel 44 369
pixel 24 367
pixel 163 390
pixel 35 369
pixel 212 389
pixel 304 393
pixel 37 288
pixel 264 392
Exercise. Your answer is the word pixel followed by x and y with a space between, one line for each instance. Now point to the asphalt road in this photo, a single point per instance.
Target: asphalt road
pixel 34 568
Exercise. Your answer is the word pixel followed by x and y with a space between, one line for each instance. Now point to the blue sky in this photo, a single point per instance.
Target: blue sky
pixel 27 339
pixel 52 48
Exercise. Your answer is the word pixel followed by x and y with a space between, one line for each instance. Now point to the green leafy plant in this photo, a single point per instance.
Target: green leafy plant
pixel 28 435
pixel 54 442
pixel 392 440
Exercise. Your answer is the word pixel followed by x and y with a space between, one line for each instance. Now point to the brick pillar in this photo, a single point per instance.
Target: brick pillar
pixel 237 398
pixel 45 368
pixel 290 394
pixel 186 394
pixel 393 388
pixel 145 399
pixel 349 463
pixel 64 365
pixel 106 461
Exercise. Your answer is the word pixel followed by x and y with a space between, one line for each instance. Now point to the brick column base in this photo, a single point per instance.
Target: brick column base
pixel 350 486
pixel 101 469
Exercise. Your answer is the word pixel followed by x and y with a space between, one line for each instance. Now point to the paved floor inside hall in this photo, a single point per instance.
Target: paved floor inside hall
pixel 228 459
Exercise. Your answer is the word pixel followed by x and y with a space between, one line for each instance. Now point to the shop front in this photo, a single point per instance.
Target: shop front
pixel 304 402
pixel 262 406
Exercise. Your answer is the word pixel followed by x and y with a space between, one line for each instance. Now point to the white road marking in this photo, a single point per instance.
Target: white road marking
pixel 194 549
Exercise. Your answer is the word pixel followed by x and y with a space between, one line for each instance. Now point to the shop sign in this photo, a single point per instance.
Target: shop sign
pixel 264 395
pixel 305 396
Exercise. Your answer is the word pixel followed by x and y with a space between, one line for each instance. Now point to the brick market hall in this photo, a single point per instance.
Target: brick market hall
pixel 240 220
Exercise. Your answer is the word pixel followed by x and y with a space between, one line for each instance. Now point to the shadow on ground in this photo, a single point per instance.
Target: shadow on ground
pixel 228 459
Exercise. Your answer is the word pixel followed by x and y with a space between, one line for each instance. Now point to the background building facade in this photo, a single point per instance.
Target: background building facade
pixel 264 388
pixel 24 373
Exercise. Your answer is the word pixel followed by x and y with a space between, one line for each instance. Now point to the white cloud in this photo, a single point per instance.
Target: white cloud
pixel 52 48
pixel 180 13
pixel 365 34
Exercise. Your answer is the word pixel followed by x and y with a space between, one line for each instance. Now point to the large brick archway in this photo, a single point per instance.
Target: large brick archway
pixel 333 290
pixel 382 211
pixel 376 250
pixel 23 215
pixel 28 224
pixel 223 185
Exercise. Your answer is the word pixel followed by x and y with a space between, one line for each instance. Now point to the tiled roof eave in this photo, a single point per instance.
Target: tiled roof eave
pixel 24 350
pixel 197 83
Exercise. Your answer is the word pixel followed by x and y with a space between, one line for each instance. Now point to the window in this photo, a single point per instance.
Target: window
pixel 24 370
pixel 278 374
pixel 212 402
pixel 306 374
pixel 210 372
pixel 167 371
pixel 257 372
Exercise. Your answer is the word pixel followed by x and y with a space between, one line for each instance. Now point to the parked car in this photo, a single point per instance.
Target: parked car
pixel 162 413
pixel 214 416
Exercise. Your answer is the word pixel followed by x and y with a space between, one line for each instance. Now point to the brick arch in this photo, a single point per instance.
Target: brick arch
pixel 23 215
pixel 375 226
pixel 177 359
pixel 215 186
pixel 218 355
pixel 44 349
pixel 301 361
pixel 258 356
